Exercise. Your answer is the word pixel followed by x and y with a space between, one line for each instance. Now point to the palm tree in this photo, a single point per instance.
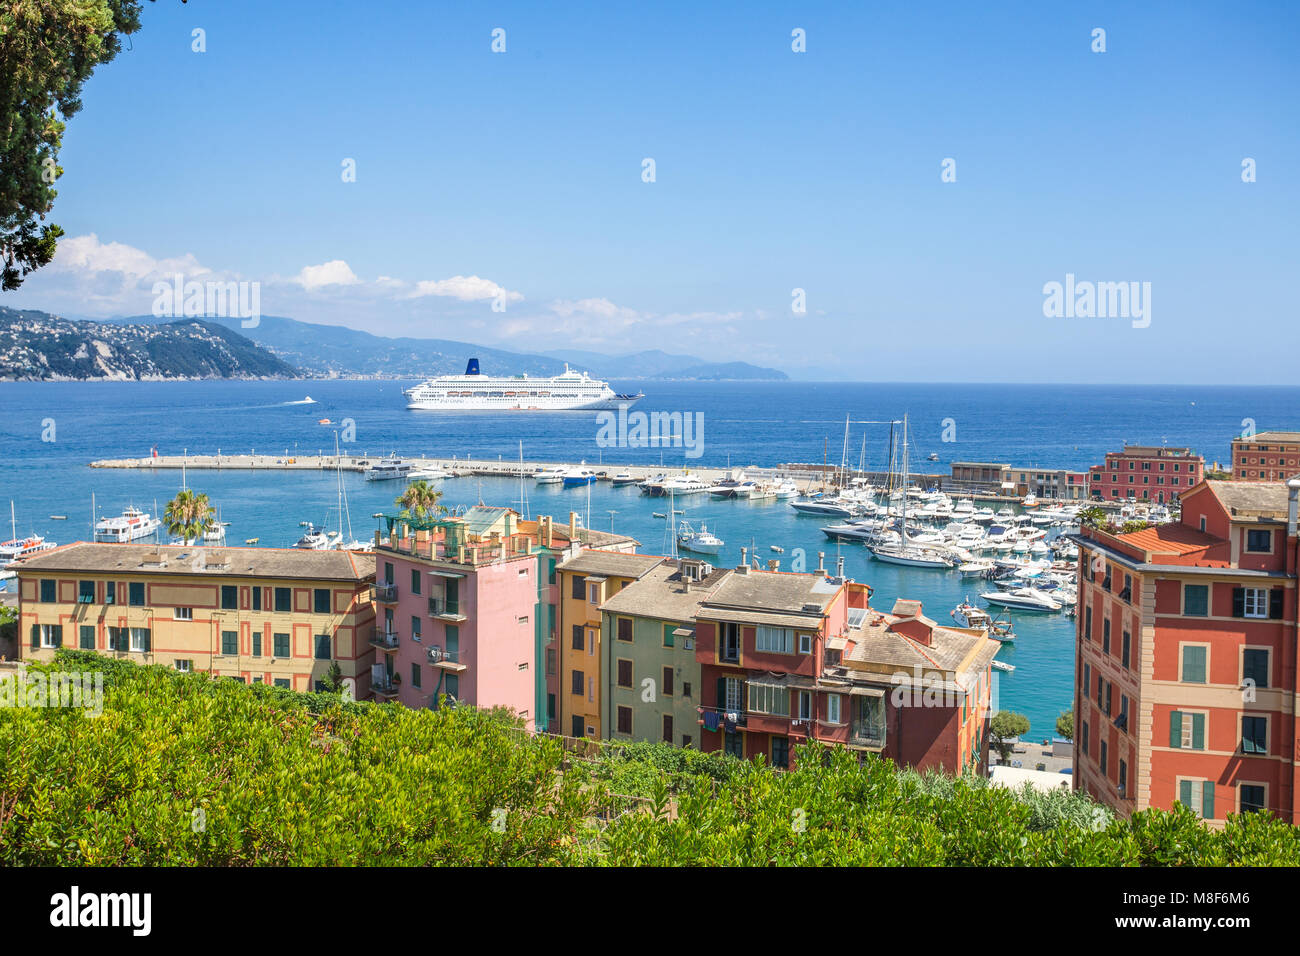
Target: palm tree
pixel 420 500
pixel 188 516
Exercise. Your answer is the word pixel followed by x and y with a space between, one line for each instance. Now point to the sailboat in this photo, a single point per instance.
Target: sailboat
pixel 904 552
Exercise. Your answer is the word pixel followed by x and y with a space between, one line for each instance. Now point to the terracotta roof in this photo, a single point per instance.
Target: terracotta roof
pixel 1172 538
pixel 1252 499
pixel 179 559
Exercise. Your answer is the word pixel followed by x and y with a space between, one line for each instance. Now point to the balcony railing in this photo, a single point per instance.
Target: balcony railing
pixel 867 736
pixel 446 660
pixel 385 593
pixel 385 639
pixel 385 689
pixel 441 607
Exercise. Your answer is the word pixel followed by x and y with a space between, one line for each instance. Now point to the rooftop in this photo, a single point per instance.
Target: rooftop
pixel 1171 538
pixel 279 563
pixel 662 593
pixel 1270 436
pixel 611 563
pixel 781 591
pixel 1266 500
pixel 879 647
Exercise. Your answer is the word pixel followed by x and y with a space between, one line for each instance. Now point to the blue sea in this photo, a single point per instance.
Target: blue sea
pixel 50 432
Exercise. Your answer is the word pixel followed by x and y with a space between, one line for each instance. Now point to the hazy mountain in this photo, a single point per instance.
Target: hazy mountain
pixel 36 346
pixel 655 363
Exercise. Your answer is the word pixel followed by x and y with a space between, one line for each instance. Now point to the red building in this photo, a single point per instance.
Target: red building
pixel 1266 456
pixel 787 658
pixel 1145 473
pixel 1186 657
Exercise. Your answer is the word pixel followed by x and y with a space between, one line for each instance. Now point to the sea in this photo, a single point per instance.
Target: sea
pixel 50 432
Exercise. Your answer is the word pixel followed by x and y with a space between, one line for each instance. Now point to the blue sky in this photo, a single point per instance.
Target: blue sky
pixel 518 174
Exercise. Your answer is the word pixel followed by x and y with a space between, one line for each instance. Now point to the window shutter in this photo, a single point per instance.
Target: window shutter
pixel 1185 792
pixel 147 637
pixel 1238 602
pixel 1275 603
pixel 1207 800
pixel 1175 729
pixel 1198 731
pixel 58 635
pixel 36 635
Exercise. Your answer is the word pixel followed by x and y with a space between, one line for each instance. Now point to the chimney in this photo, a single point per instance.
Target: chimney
pixel 573 525
pixel 744 557
pixel 839 566
pixel 1292 503
pixel 774 565
pixel 546 530
pixel 821 562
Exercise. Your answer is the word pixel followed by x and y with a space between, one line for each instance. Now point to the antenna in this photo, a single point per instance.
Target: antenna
pixel 611 512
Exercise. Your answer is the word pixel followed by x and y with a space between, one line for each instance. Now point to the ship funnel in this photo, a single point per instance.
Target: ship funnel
pixel 471 368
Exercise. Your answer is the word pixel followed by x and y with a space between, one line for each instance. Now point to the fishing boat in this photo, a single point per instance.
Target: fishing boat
pixel 702 541
pixel 550 476
pixel 131 525
pixel 388 469
pixel 1024 599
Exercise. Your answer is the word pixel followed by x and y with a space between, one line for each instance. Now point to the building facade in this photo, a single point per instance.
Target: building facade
pixel 1266 456
pixel 1186 657
pixel 1146 473
pixel 260 615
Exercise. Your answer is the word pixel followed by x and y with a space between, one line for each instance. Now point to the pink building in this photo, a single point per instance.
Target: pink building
pixel 456 612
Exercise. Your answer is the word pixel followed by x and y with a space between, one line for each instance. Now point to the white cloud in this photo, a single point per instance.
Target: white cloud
pixel 465 288
pixel 334 272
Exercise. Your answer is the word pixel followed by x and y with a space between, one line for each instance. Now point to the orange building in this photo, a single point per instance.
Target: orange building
pixel 1186 657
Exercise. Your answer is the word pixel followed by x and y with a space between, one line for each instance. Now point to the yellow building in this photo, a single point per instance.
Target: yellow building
pixel 585 583
pixel 260 615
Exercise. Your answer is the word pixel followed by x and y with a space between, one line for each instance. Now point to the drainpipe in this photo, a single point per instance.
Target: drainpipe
pixel 1292 559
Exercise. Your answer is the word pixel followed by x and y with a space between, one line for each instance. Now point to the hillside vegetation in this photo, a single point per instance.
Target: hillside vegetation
pixel 185 770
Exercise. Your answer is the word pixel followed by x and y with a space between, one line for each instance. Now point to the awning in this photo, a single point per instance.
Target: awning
pixel 866 691
pixel 446 574
pixel 595 579
pixel 684 632
pixel 837 643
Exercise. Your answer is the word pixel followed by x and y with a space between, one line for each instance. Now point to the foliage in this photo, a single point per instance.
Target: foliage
pixel 48 49
pixel 188 516
pixel 1065 725
pixel 1003 727
pixel 1093 517
pixel 332 681
pixel 420 500
pixel 281 779
pixel 1128 527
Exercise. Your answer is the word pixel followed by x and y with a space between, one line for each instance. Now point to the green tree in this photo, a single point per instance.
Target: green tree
pixel 1093 517
pixel 188 516
pixel 420 500
pixel 1065 725
pixel 332 681
pixel 1004 726
pixel 48 49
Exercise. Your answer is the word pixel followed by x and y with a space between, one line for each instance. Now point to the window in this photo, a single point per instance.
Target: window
pixel 733 745
pixel 321 600
pixel 1196 600
pixel 415 675
pixel 668 634
pixel 593 595
pixel 1126 648
pixel 322 647
pixel 551 661
pixel 781 752
pixel 1249 602
pixel 49 590
pixel 805 705
pixel 182 614
pixel 578 641
pixel 730 645
pixel 1254 666
pixel 625 720
pixel 776 640
pixel 625 629
pixel 85 592
pixel 1252 797
pixel 140 640
pixel 1259 540
pixel 805 643
pixel 668 728
pixel 117 639
pixel 591 690
pixel 1083 739
pixel 283 599
pixel 451 684
pixel 666 688
pixel 415 628
pixel 1087 617
pixel 577 684
pixel 766 699
pixel 1123 777
pixel 281 682
pixel 229 643
pixel 257 599
pixel 135 594
pixel 1254 735
pixel 575 725
pixel 280 645
pixel 229 597
pixel 1193 664
pixel 1186 731
pixel 87 637
pixel 579 587
pixel 624 672
pixel 110 592
pixel 833 704
pixel 415 580
pixel 1198 795
pixel 1103 761
pixel 731 697
pixel 1105 636
pixel 184 667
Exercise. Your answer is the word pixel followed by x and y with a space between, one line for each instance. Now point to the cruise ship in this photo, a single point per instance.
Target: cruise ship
pixel 475 391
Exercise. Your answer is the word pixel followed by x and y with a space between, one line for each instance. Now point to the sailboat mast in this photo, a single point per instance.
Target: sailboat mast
pixel 902 528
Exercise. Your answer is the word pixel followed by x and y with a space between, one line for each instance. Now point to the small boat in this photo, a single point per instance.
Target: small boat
pixel 131 525
pixel 778 549
pixel 658 514
pixel 58 517
pixel 1003 666
pixel 623 478
pixel 387 469
pixel 550 476
pixel 968 615
pixel 324 421
pixel 702 541
pixel 578 477
pixel 251 540
pixel 429 474
pixel 933 456
pixel 318 539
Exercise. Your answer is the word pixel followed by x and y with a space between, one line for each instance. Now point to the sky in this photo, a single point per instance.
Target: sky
pixel 889 204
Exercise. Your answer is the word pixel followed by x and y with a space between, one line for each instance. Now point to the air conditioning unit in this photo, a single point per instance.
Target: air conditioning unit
pixel 435 654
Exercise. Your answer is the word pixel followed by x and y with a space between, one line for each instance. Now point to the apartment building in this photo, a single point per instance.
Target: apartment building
pixel 1186 657
pixel 260 615
pixel 1145 473
pixel 1266 456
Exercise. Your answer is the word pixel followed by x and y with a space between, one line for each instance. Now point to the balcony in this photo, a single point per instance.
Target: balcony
pixel 387 640
pixel 871 737
pixel 446 660
pixel 384 593
pixel 445 610
pixel 385 689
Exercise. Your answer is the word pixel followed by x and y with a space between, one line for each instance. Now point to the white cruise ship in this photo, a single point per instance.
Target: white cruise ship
pixel 476 391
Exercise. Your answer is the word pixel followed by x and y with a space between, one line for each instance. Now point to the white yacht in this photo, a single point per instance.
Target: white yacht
pixel 318 539
pixel 579 477
pixel 968 615
pixel 131 525
pixel 702 541
pixel 1026 599
pixel 476 391
pixel 429 474
pixel 388 469
pixel 550 476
